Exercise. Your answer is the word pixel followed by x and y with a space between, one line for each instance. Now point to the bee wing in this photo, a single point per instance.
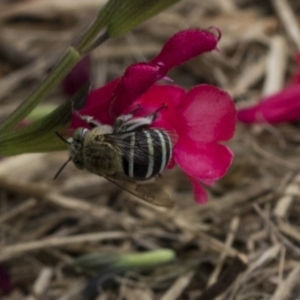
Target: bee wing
pixel 149 192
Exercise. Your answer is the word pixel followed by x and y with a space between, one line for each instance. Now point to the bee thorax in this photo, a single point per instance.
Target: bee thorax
pixel 101 159
pixel 125 154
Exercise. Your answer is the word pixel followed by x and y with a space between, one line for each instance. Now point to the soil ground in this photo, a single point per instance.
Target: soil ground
pixel 243 244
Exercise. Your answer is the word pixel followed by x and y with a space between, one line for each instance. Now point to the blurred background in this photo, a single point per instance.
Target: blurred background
pixel 250 226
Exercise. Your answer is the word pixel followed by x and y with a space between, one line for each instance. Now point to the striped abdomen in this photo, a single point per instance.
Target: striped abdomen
pixel 147 154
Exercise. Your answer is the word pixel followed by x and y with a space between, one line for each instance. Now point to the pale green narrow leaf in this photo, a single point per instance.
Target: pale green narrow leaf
pixel 104 15
pixel 130 13
pixel 40 112
pixel 98 261
pixel 40 136
pixel 118 17
pixel 73 55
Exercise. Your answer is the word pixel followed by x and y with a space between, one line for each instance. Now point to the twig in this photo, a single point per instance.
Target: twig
pixel 48 195
pixel 17 210
pixel 273 158
pixel 284 203
pixel 211 241
pixel 227 6
pixel 276 66
pixel 288 19
pixel 263 259
pixel 45 6
pixel 230 275
pixel 281 264
pixel 178 287
pixel 285 288
pixel 42 282
pixel 229 240
pixel 15 250
pixel 248 77
pixel 275 230
pixel 289 230
pixel 235 198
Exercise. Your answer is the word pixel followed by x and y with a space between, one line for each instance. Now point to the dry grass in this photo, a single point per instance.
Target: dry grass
pixel 243 244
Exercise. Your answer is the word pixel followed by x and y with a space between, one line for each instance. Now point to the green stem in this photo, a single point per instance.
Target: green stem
pixel 40 135
pixel 100 22
pixel 89 37
pixel 87 42
pixel 57 74
pixel 70 59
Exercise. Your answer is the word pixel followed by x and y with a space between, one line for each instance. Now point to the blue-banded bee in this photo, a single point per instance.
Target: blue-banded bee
pixel 127 154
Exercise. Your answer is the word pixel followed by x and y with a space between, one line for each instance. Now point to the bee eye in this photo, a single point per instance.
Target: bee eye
pixel 79 134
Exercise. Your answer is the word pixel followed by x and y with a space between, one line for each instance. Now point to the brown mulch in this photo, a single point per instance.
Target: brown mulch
pixel 243 244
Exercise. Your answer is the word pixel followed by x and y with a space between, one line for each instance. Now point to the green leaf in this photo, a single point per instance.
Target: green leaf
pixel 119 17
pixel 99 261
pixel 130 13
pixel 146 259
pixel 101 22
pixel 40 136
pixel 40 112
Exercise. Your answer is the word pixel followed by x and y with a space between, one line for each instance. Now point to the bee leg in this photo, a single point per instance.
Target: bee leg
pixel 153 116
pixel 88 119
pixel 155 113
pixel 139 107
pixel 120 121
pixel 128 123
pixel 123 119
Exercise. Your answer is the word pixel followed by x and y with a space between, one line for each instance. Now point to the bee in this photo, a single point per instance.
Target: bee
pixel 129 154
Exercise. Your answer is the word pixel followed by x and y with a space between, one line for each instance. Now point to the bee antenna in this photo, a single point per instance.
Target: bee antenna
pixel 61 137
pixel 61 168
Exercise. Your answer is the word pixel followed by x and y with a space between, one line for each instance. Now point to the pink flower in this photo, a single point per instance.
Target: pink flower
pixel 201 118
pixel 283 106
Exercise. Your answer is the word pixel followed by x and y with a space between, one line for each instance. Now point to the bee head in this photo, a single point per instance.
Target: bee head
pixel 76 147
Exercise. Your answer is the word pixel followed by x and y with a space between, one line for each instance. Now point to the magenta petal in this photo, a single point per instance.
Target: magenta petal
pixel 171 95
pixel 209 113
pixel 163 99
pixel 137 79
pixel 200 194
pixel 280 107
pixel 202 161
pixel 97 106
pixel 185 45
